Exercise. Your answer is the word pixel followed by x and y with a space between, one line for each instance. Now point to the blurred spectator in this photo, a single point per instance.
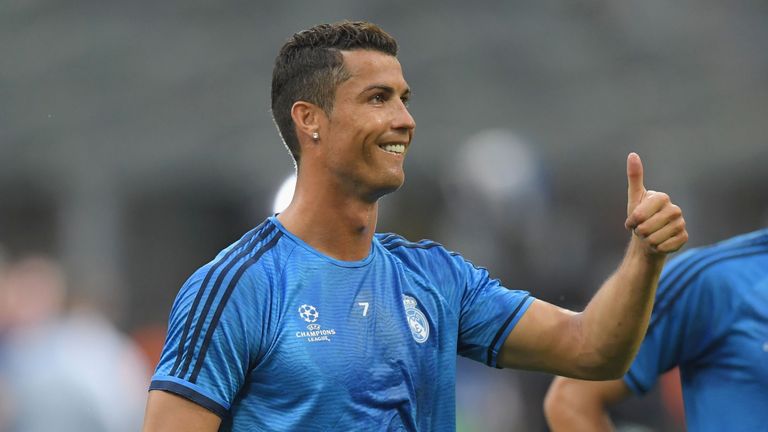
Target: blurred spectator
pixel 63 371
pixel 500 197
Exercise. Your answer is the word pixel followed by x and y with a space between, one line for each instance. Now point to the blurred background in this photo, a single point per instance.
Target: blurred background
pixel 136 142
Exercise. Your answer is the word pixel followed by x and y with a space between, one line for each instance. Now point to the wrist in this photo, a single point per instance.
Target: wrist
pixel 640 249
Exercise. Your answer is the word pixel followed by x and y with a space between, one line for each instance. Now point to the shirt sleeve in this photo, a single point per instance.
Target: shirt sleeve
pixel 213 336
pixel 488 312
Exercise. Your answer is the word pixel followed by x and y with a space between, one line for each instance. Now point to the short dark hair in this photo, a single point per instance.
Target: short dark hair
pixel 310 66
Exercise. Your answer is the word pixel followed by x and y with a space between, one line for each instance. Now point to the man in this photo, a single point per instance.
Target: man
pixel 313 322
pixel 711 320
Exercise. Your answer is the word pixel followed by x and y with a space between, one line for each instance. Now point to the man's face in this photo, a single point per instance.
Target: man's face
pixel 370 128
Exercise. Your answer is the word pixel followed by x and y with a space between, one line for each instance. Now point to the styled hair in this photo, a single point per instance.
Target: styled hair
pixel 310 66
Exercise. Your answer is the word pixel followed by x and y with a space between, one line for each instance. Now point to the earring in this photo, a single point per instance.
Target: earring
pixel 315 136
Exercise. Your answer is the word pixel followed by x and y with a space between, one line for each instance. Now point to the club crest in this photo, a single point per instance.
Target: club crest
pixel 416 320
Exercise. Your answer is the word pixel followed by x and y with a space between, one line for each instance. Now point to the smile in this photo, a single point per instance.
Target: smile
pixel 393 148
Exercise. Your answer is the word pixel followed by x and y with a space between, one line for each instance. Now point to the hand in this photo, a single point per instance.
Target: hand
pixel 651 216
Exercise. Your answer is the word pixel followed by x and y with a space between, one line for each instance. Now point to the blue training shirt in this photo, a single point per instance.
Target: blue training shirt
pixel 272 335
pixel 711 320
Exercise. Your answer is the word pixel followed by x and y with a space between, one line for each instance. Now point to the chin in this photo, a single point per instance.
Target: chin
pixel 391 184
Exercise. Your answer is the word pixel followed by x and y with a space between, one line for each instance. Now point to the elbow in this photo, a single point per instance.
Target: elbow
pixel 561 403
pixel 617 370
pixel 555 400
pixel 603 369
pixel 600 358
pixel 606 371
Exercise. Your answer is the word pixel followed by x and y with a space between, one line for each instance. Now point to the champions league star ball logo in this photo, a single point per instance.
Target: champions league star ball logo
pixel 309 313
pixel 416 320
pixel 315 333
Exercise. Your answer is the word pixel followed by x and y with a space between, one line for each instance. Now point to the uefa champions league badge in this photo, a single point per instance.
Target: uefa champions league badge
pixel 416 320
pixel 314 333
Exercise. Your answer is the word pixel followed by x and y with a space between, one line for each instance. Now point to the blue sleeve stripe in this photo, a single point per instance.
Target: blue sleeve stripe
pixel 424 244
pixel 392 241
pixel 476 267
pixel 220 309
pixel 505 329
pixel 390 237
pixel 192 392
pixel 634 384
pixel 198 297
pixel 383 238
pixel 676 287
pixel 248 249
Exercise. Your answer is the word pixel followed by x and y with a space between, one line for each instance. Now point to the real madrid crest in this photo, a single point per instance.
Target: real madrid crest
pixel 416 320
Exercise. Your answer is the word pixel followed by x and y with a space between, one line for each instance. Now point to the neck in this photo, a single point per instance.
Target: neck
pixel 338 225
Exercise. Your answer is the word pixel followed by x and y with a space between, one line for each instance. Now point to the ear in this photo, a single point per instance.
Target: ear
pixel 307 117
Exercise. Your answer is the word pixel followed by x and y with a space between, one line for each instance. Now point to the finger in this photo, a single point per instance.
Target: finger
pixel 665 233
pixel 635 187
pixel 673 244
pixel 659 220
pixel 650 205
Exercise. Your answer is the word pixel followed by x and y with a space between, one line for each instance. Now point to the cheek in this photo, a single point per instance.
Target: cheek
pixel 359 128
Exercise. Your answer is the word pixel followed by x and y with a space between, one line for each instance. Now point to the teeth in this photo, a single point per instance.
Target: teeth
pixel 394 148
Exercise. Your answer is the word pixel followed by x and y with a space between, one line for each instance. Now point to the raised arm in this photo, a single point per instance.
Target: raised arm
pixel 167 412
pixel 575 405
pixel 600 342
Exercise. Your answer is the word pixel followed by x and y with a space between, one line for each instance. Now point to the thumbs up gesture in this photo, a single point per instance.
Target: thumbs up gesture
pixel 651 216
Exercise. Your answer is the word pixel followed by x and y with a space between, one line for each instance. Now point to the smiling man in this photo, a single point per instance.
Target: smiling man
pixel 312 321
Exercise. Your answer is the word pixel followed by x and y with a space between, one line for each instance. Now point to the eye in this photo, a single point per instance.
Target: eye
pixel 379 98
pixel 405 100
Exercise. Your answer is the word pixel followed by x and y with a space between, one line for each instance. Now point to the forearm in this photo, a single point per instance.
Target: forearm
pixel 615 320
pixel 600 342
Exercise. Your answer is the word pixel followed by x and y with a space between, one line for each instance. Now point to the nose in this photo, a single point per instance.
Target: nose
pixel 403 119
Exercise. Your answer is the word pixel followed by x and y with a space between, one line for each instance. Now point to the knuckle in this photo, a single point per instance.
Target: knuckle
pixel 639 214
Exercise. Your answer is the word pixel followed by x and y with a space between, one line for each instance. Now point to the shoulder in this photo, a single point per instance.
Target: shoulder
pixel 425 257
pixel 714 260
pixel 421 252
pixel 400 245
pixel 709 270
pixel 257 256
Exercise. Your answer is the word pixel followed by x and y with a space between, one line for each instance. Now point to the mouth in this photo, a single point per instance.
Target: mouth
pixel 397 149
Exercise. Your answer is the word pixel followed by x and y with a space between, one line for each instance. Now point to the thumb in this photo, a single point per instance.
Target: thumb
pixel 635 188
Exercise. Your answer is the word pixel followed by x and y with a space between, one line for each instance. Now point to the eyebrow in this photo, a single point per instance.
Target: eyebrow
pixel 385 88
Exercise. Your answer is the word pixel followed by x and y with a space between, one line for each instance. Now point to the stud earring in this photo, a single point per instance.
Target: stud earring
pixel 315 136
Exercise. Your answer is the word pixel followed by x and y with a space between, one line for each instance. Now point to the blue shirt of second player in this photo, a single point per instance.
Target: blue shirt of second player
pixel 274 335
pixel 711 320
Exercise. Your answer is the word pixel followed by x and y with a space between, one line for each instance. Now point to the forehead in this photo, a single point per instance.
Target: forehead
pixel 367 67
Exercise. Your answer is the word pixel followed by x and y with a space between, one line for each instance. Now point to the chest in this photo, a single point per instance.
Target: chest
pixel 379 325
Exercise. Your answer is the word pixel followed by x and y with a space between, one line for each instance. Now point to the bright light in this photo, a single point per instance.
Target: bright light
pixel 284 194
